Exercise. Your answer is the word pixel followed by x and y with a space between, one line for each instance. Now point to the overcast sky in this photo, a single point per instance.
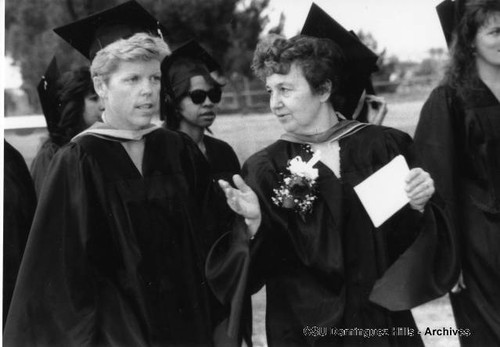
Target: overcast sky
pixel 407 28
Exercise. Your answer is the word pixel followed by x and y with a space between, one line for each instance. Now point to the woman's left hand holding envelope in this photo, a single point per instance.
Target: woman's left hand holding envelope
pixel 419 188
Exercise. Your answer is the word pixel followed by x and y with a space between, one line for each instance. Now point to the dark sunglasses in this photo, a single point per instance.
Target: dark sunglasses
pixel 199 96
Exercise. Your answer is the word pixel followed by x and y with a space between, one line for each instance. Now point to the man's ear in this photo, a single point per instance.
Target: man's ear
pixel 100 86
pixel 325 91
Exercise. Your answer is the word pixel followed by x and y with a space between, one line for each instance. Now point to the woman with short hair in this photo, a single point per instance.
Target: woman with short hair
pixel 331 277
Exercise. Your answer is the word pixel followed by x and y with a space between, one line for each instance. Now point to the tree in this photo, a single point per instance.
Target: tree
pixel 228 29
pixel 437 53
pixel 246 28
pixel 208 22
pixel 388 66
pixel 368 39
pixel 29 39
pixel 433 66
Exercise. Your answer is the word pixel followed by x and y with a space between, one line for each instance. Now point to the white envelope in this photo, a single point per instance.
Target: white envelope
pixel 383 194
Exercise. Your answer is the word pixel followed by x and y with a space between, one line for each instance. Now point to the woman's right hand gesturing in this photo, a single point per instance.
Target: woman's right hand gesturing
pixel 243 201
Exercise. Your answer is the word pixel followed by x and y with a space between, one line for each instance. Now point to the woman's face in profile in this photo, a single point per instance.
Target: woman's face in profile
pixel 196 110
pixel 487 42
pixel 292 100
pixel 131 95
pixel 92 109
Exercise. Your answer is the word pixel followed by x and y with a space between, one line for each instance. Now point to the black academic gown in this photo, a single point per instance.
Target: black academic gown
pixel 334 270
pixel 115 258
pixel 460 144
pixel 18 210
pixel 223 160
pixel 224 164
pixel 41 162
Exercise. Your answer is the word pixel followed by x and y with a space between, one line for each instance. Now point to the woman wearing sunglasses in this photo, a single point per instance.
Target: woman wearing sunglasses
pixel 192 94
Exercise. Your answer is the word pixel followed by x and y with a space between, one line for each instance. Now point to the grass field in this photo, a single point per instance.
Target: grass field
pixel 251 132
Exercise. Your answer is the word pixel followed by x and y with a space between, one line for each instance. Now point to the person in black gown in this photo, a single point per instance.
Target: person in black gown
pixel 18 210
pixel 192 97
pixel 119 259
pixel 458 136
pixel 331 277
pixel 192 92
pixel 70 105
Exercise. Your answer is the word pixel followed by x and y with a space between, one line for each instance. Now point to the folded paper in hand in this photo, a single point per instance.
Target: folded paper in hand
pixel 383 194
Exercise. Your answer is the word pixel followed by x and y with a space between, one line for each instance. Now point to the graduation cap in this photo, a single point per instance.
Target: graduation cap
pixel 47 92
pixel 90 34
pixel 449 13
pixel 188 60
pixel 360 60
pixel 369 85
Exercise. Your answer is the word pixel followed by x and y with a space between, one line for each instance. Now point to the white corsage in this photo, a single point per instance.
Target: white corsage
pixel 297 189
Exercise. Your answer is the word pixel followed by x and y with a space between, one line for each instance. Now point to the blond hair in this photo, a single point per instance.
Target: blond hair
pixel 140 46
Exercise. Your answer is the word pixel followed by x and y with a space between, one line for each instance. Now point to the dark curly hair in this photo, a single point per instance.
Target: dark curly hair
pixel 73 87
pixel 320 59
pixel 462 74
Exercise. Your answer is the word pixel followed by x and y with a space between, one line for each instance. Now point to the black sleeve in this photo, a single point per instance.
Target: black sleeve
pixel 55 298
pixel 422 248
pixel 234 263
pixel 19 208
pixel 436 145
pixel 40 164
